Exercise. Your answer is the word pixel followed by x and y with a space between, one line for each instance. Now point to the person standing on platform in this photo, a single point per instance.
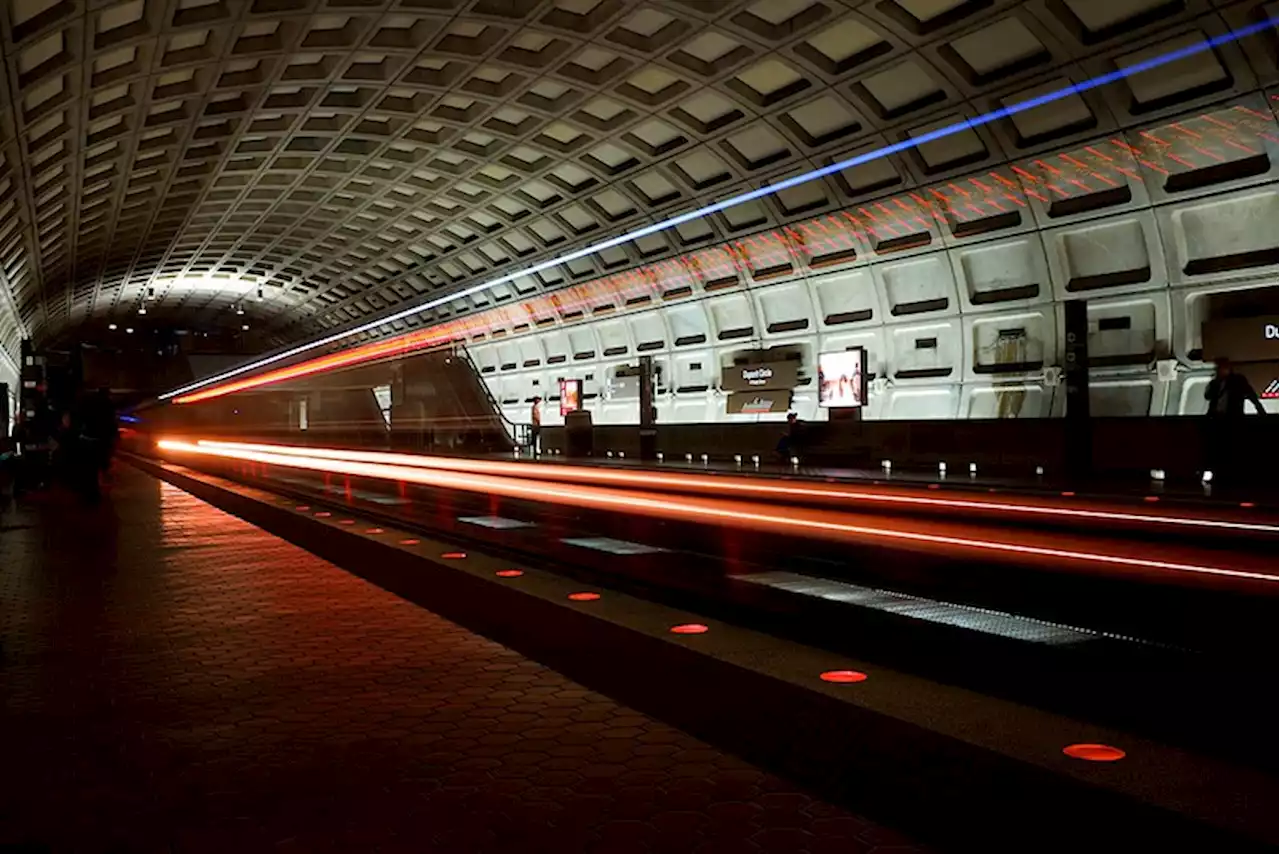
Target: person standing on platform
pixel 535 424
pixel 1226 394
pixel 789 444
pixel 101 431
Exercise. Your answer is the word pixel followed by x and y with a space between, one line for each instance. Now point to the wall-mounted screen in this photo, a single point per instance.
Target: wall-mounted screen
pixel 570 396
pixel 842 378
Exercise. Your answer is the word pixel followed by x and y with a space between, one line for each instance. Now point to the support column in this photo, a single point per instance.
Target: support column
pixel 648 412
pixel 1079 424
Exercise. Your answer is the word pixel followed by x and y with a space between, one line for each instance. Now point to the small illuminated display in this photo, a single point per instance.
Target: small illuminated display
pixel 570 396
pixel 842 379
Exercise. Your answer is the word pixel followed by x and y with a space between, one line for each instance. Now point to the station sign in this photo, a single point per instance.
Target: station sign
pixel 758 402
pixel 1241 339
pixel 761 376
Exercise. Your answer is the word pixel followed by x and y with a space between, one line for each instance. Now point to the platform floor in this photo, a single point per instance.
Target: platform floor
pixel 173 679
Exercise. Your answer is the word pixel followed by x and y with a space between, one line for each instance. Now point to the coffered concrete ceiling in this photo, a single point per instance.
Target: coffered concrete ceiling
pixel 322 161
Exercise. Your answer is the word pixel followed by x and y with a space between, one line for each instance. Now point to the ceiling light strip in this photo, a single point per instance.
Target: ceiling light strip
pixel 752 195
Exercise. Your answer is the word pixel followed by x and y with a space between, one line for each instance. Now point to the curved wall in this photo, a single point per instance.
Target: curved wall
pixel 956 289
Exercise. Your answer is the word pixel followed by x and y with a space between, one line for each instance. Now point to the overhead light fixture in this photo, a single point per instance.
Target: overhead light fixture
pixel 963 126
pixel 112 327
pixel 244 327
pixel 142 309
pixel 239 309
pixel 129 330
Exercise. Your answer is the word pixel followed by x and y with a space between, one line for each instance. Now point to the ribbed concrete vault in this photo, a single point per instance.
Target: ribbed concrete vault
pixel 321 162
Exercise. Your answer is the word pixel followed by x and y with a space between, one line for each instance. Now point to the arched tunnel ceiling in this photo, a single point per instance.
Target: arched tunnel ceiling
pixel 348 156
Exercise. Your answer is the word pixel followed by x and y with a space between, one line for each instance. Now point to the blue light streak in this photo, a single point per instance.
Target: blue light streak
pixel 766 190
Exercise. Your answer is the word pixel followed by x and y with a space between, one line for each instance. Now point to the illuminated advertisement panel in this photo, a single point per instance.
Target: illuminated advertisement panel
pixel 842 379
pixel 570 396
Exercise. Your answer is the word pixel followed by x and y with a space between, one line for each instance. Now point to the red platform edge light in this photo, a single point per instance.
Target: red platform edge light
pixel 324 514
pixel 302 508
pixel 585 596
pixel 509 573
pixel 1094 752
pixel 454 555
pixel 689 629
pixel 844 677
pixel 409 542
pixel 347 522
pixel 375 531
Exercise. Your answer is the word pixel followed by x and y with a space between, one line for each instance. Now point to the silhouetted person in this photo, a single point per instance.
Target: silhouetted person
pixel 32 446
pixel 8 468
pixel 535 425
pixel 99 430
pixel 1226 394
pixel 789 444
pixel 1228 391
pixel 65 456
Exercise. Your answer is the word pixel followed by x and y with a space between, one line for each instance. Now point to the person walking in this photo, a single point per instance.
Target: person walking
pixel 1226 395
pixel 535 424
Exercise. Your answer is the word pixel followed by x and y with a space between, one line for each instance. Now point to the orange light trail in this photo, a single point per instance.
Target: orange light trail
pixel 755 517
pixel 738 486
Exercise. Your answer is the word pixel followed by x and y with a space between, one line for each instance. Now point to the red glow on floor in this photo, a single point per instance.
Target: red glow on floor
pixel 584 597
pixel 1068 495
pixel 302 508
pixel 1151 498
pixel 324 514
pixel 844 677
pixel 1247 504
pixel 509 573
pixel 410 542
pixel 375 531
pixel 453 555
pixel 933 486
pixel 689 629
pixel 347 522
pixel 1094 752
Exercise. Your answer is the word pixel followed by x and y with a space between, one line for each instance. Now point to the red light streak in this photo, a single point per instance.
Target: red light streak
pixel 756 517
pixel 738 486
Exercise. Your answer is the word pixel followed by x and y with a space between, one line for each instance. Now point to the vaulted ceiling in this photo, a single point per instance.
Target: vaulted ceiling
pixel 317 162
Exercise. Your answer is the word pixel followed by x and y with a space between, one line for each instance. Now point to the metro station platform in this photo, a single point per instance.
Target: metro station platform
pixel 260 657
pixel 177 680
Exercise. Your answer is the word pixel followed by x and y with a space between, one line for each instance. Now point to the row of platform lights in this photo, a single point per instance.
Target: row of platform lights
pixel 885 465
pixel 1157 475
pixel 1087 752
